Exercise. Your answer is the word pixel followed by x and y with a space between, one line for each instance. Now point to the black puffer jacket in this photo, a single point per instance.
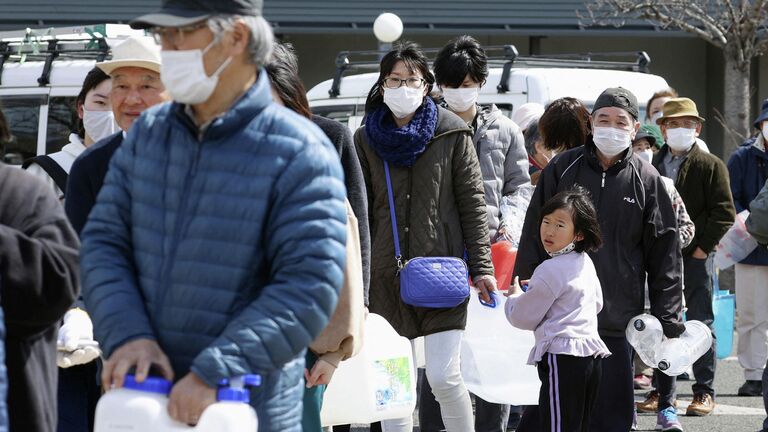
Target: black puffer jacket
pixel 440 208
pixel 639 232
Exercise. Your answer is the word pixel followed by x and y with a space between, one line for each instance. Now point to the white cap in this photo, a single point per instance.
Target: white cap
pixel 527 113
pixel 135 51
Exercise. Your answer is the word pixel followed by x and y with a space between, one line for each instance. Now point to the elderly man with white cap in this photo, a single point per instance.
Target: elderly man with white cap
pixel 136 86
pixel 135 73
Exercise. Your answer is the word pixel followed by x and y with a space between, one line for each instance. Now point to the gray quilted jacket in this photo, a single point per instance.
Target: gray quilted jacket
pixel 503 160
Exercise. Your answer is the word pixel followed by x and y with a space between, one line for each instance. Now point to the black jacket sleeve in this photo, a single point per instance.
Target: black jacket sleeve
pixel 663 257
pixel 341 138
pixel 358 199
pixel 531 253
pixel 38 254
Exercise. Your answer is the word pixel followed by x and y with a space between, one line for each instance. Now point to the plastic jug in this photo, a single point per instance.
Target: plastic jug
pixel 645 334
pixel 143 407
pixel 723 309
pixel 736 244
pixel 379 383
pixel 503 255
pixel 494 356
pixel 676 355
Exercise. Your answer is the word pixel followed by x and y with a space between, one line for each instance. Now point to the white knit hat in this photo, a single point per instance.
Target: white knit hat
pixel 527 113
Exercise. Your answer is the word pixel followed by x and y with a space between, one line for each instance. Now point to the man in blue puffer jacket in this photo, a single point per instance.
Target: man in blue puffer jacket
pixel 216 246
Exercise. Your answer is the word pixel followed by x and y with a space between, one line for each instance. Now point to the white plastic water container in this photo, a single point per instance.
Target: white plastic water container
pixel 142 407
pixel 645 334
pixel 494 356
pixel 675 356
pixel 379 383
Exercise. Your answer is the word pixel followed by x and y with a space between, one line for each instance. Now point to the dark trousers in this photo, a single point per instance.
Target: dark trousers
pixel 78 394
pixel 698 300
pixel 489 417
pixel 569 387
pixel 616 399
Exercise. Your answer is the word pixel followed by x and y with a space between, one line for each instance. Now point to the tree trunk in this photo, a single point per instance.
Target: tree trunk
pixel 737 101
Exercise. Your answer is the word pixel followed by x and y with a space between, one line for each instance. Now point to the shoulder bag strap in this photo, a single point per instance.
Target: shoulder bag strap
pixel 52 168
pixel 392 217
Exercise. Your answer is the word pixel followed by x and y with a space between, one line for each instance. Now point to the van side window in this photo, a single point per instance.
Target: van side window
pixel 62 119
pixel 341 113
pixel 22 115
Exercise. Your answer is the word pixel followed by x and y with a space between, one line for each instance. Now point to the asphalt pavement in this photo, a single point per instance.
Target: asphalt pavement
pixel 732 414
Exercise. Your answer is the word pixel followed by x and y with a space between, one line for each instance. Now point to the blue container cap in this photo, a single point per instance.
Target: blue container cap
pixel 252 380
pixel 228 394
pixel 150 385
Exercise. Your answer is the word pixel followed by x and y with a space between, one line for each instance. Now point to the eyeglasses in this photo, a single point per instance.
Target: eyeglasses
pixel 675 123
pixel 174 35
pixel 394 83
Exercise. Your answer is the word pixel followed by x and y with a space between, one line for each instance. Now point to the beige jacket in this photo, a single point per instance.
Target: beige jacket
pixel 343 337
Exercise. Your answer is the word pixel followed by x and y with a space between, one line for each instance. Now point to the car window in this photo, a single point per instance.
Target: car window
pixel 21 115
pixel 62 121
pixel 340 113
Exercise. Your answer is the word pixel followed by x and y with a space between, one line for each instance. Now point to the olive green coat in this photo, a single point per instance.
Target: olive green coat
pixel 440 208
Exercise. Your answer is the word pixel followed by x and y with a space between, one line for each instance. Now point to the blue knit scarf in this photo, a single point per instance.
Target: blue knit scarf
pixel 401 146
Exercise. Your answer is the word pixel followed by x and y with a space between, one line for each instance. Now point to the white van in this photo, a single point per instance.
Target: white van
pixel 529 79
pixel 40 77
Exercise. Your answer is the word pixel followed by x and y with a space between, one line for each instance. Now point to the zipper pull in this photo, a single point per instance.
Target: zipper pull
pixel 603 184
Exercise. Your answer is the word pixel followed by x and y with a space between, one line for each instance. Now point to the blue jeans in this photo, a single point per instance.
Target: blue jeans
pixel 78 393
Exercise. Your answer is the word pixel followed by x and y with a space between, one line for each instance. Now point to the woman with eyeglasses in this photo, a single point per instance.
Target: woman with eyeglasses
pixel 440 212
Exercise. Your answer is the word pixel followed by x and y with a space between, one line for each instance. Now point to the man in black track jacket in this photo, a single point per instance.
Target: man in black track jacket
pixel 640 237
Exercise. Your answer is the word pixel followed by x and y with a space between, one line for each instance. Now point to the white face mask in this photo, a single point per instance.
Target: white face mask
pixel 656 117
pixel 461 99
pixel 646 154
pixel 403 101
pixel 99 124
pixel 681 139
pixel 765 130
pixel 183 74
pixel 611 141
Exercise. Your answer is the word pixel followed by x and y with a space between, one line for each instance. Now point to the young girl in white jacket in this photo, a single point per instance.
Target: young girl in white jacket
pixel 561 306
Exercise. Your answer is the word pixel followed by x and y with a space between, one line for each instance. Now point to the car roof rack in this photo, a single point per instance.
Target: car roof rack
pixel 505 56
pixel 66 43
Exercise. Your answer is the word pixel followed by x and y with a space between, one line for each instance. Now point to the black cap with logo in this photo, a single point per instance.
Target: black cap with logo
pixel 618 97
pixel 179 13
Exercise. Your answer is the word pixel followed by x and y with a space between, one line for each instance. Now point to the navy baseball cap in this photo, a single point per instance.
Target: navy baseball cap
pixel 179 13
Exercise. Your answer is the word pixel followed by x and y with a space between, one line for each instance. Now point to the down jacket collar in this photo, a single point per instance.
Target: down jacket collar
pixel 235 118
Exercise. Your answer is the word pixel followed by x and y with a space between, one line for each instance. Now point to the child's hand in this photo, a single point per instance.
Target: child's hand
pixel 515 289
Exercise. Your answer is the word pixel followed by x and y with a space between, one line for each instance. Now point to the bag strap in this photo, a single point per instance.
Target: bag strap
pixel 52 168
pixel 392 217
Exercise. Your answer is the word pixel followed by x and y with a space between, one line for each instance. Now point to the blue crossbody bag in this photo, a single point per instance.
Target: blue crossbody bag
pixel 428 282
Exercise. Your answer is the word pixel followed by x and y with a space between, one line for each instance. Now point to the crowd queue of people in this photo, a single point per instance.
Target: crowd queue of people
pixel 202 223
